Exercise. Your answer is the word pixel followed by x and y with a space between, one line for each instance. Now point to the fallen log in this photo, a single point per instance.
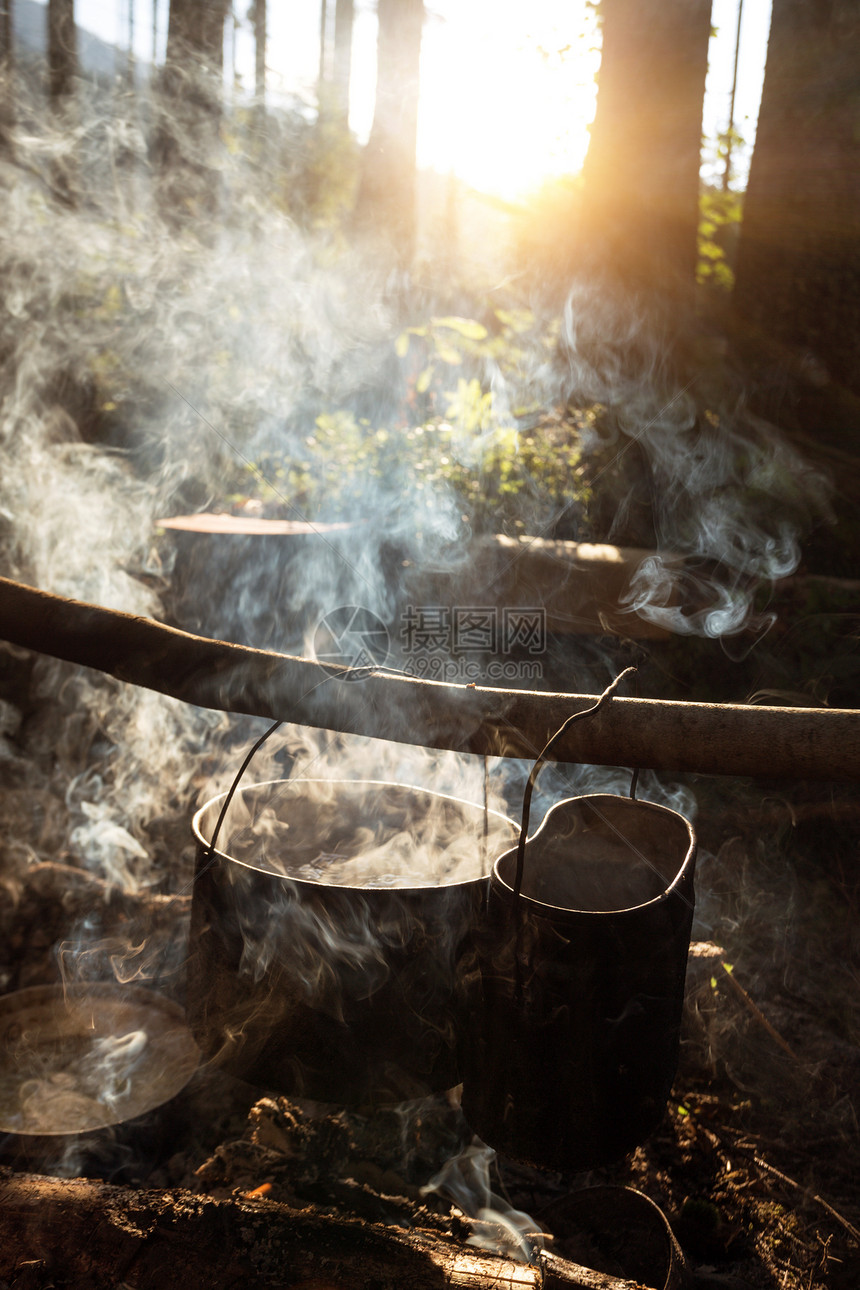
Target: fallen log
pixel 64 1233
pixel 722 739
pixel 581 586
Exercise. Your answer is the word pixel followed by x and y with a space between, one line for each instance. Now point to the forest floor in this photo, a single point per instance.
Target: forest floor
pixel 757 1163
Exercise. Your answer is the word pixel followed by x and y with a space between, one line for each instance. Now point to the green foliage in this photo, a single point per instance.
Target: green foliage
pixel 720 211
pixel 330 179
pixel 719 221
pixel 457 436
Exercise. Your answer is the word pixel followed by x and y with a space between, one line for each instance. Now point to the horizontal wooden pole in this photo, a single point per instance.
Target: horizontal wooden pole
pixel 721 739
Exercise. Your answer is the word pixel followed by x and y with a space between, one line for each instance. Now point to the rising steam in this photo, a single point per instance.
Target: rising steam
pixel 154 354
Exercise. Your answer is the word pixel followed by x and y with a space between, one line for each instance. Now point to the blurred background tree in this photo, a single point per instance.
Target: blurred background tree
pixel 385 204
pixel 637 218
pixel 798 268
pixel 640 181
pixel 62 50
pixel 190 103
pixel 7 99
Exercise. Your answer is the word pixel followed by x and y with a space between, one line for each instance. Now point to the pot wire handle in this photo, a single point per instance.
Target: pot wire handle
pixel 541 758
pixel 228 798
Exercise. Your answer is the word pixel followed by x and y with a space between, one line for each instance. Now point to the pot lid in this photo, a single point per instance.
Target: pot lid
pixel 82 1058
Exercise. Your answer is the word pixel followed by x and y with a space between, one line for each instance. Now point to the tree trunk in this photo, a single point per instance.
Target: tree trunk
pixel 641 173
pixel 7 71
pixel 5 32
pixel 798 266
pixel 62 70
pixel 260 35
pixel 55 1232
pixel 344 16
pixel 62 50
pixel 385 206
pixel 189 109
pixel 321 79
pixel 196 30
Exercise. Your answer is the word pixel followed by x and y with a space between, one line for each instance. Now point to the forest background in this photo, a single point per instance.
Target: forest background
pixel 227 304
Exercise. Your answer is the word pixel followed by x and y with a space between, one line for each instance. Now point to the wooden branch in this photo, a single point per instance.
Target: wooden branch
pixel 79 1232
pixel 722 739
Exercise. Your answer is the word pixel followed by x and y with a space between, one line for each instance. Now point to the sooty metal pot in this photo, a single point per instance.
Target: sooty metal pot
pixel 306 979
pixel 577 983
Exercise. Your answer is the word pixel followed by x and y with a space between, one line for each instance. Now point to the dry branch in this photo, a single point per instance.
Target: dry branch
pixel 62 1233
pixel 723 739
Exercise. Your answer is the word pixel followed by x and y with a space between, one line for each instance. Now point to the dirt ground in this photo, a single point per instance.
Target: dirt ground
pixel 756 1164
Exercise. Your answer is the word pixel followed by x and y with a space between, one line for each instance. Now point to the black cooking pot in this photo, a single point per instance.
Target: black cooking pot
pixel 305 979
pixel 577 983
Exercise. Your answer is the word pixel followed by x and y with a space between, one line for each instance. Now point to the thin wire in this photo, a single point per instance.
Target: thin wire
pixel 530 783
pixel 210 850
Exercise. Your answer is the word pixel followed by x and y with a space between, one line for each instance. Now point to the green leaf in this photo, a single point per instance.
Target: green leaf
pixel 112 300
pixel 518 320
pixel 711 251
pixel 401 345
pixel 423 383
pixel 466 327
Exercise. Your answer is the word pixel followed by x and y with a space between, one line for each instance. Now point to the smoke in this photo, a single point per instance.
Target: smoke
pixel 170 347
pixel 142 368
pixel 725 491
pixel 80 1061
pixel 355 833
pixel 495 1224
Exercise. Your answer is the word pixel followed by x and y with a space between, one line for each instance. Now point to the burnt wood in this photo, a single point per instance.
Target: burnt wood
pixel 722 739
pixel 70 1233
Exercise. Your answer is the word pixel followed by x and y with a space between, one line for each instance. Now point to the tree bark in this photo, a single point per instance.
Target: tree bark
pixel 344 17
pixel 722 739
pixel 641 172
pixel 189 110
pixel 798 266
pixel 62 70
pixel 62 50
pixel 385 205
pixel 60 1233
pixel 6 50
pixel 260 36
pixel 7 73
pixel 196 30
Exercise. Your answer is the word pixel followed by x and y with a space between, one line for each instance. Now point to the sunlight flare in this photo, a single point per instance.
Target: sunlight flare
pixel 502 116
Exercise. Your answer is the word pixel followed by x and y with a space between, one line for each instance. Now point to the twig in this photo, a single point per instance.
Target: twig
pixel 759 1015
pixel 753 1155
pixel 825 1204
